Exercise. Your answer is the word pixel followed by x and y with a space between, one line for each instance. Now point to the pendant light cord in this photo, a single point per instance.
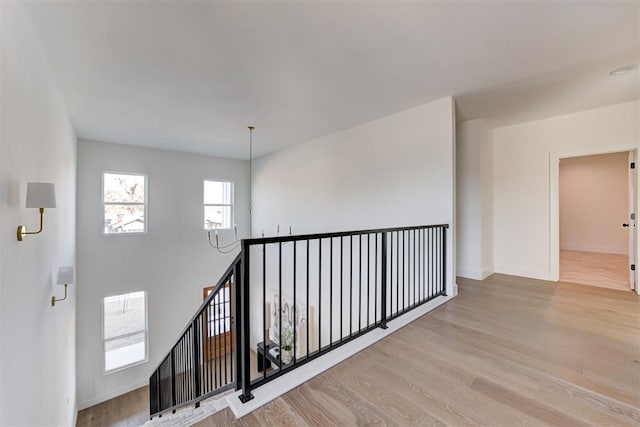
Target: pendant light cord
pixel 251 128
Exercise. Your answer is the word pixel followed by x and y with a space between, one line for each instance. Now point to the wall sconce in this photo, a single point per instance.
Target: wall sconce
pixel 66 276
pixel 40 195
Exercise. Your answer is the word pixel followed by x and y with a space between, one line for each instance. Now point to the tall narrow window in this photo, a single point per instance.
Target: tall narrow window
pixel 125 330
pixel 218 204
pixel 124 203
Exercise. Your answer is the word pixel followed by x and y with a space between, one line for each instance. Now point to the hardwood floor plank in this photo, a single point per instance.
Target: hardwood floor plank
pixel 376 389
pixel 523 404
pixel 583 410
pixel 438 394
pixel 310 404
pixel 329 405
pixel 129 409
pixel 347 401
pixel 276 412
pixel 222 418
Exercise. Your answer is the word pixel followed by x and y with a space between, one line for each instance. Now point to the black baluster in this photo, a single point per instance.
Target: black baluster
pixel 319 295
pixel 330 292
pixel 196 362
pixel 264 312
pixel 295 302
pixel 279 307
pixel 360 283
pixel 383 279
pixel 368 278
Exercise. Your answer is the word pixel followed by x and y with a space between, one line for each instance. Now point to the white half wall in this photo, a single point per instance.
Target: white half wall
pixel 37 143
pixel 395 171
pixel 173 261
pixel 594 203
pixel 525 180
pixel 474 205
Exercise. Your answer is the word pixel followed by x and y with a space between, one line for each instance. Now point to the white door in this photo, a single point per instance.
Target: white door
pixel 632 221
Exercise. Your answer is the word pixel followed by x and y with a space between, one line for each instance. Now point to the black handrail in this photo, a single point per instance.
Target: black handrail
pixel 315 236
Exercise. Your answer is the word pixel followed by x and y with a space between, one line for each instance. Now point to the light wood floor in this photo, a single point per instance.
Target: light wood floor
pixel 129 410
pixel 596 269
pixel 506 352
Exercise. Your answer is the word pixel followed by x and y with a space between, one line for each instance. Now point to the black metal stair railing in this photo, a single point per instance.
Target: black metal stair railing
pixel 285 301
pixel 202 362
pixel 303 296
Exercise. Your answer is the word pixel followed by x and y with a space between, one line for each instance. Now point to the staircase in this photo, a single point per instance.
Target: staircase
pixel 287 301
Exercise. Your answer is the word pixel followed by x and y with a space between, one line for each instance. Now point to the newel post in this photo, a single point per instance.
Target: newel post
pixel 245 337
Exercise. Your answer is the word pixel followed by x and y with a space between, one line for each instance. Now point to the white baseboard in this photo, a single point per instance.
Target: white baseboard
pixel 596 249
pixel 274 389
pixel 473 273
pixel 523 272
pixel 107 396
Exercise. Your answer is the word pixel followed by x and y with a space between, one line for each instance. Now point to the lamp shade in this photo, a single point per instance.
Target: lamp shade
pixel 41 195
pixel 66 275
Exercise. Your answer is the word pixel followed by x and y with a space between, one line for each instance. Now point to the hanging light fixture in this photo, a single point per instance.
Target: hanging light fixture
pixel 231 246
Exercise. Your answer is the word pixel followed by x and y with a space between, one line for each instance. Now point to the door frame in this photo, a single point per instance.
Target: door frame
pixel 554 201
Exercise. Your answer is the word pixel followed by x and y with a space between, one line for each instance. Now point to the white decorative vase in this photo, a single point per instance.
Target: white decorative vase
pixel 286 356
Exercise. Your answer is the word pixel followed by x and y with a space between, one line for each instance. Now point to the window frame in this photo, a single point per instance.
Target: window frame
pixel 230 205
pixel 106 371
pixel 145 204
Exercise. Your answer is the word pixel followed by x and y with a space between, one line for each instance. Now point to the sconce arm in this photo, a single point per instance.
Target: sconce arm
pixel 22 231
pixel 54 300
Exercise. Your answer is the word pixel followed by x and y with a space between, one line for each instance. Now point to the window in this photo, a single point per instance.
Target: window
pixel 218 204
pixel 124 203
pixel 125 330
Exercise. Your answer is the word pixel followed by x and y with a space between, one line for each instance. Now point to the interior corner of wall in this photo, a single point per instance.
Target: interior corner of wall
pixel 74 415
pixel 486 272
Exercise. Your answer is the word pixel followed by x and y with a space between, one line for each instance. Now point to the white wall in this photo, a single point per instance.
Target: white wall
pixel 394 171
pixel 474 193
pixel 37 143
pixel 397 170
pixel 594 203
pixel 172 262
pixel 525 166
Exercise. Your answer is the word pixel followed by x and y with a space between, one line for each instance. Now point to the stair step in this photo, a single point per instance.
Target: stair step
pixel 190 415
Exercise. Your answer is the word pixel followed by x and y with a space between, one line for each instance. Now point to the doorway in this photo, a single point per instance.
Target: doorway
pixel 596 227
pixel 218 328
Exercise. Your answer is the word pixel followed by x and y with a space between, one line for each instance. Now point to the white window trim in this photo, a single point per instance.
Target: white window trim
pixel 145 204
pixel 145 331
pixel 232 197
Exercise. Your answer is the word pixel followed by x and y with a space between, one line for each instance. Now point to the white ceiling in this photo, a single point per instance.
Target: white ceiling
pixel 191 76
